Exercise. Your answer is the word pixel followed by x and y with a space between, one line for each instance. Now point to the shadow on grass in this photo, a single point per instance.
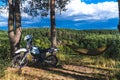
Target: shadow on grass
pixel 33 77
pixel 85 73
pixel 85 65
pixel 76 76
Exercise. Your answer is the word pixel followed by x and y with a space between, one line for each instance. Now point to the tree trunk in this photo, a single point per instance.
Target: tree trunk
pixel 18 29
pixel 11 25
pixel 119 15
pixel 53 28
pixel 14 25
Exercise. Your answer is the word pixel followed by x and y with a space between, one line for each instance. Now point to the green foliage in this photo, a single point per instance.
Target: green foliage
pixel 42 7
pixel 89 39
pixel 4 45
pixel 4 63
pixel 4 52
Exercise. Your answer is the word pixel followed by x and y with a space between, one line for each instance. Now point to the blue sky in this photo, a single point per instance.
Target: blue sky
pixel 95 1
pixel 80 14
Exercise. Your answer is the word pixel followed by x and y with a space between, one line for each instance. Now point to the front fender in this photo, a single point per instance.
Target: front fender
pixel 20 50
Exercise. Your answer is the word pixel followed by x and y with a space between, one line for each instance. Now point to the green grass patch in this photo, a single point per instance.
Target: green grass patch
pixel 3 66
pixel 88 39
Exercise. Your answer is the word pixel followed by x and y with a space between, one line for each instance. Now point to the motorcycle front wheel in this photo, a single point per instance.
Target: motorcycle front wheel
pixel 51 60
pixel 17 59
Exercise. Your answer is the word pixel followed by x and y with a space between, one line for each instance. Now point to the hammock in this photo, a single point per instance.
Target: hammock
pixel 92 52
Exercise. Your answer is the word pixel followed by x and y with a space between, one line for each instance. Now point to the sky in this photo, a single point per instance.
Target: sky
pixel 80 15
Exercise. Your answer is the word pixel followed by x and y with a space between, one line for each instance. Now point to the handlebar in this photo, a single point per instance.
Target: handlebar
pixel 53 49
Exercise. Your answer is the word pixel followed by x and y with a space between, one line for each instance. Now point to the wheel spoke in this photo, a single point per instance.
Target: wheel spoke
pixel 52 60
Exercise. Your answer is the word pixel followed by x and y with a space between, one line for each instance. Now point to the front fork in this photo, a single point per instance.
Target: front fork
pixel 23 58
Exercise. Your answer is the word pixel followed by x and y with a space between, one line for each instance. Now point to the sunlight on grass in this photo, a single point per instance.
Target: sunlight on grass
pixel 61 57
pixel 29 73
pixel 103 62
pixel 87 60
pixel 96 61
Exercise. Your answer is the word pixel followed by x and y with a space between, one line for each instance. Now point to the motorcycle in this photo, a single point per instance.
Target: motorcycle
pixel 21 56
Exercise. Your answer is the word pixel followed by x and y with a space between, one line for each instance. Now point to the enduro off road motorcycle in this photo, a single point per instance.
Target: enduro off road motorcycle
pixel 23 55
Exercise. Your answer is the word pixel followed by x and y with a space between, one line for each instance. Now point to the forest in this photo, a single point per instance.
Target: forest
pixel 89 39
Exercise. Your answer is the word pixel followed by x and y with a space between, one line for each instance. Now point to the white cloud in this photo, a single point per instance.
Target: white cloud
pixel 3 23
pixel 4 13
pixel 100 11
pixel 77 11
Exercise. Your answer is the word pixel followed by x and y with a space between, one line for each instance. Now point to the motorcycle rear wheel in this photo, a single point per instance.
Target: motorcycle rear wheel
pixel 51 60
pixel 16 62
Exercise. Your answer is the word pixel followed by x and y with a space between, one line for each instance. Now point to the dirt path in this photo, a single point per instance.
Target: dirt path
pixel 67 72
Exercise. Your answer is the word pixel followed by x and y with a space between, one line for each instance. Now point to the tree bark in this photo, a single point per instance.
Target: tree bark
pixel 11 25
pixel 119 15
pixel 52 19
pixel 14 25
pixel 18 29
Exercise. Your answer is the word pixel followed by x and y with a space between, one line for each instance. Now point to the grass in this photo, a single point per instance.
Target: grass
pixel 67 57
pixel 3 66
pixel 98 64
pixel 97 61
pixel 29 73
pixel 4 52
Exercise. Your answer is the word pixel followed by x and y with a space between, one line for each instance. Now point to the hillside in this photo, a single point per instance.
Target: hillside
pixel 74 66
